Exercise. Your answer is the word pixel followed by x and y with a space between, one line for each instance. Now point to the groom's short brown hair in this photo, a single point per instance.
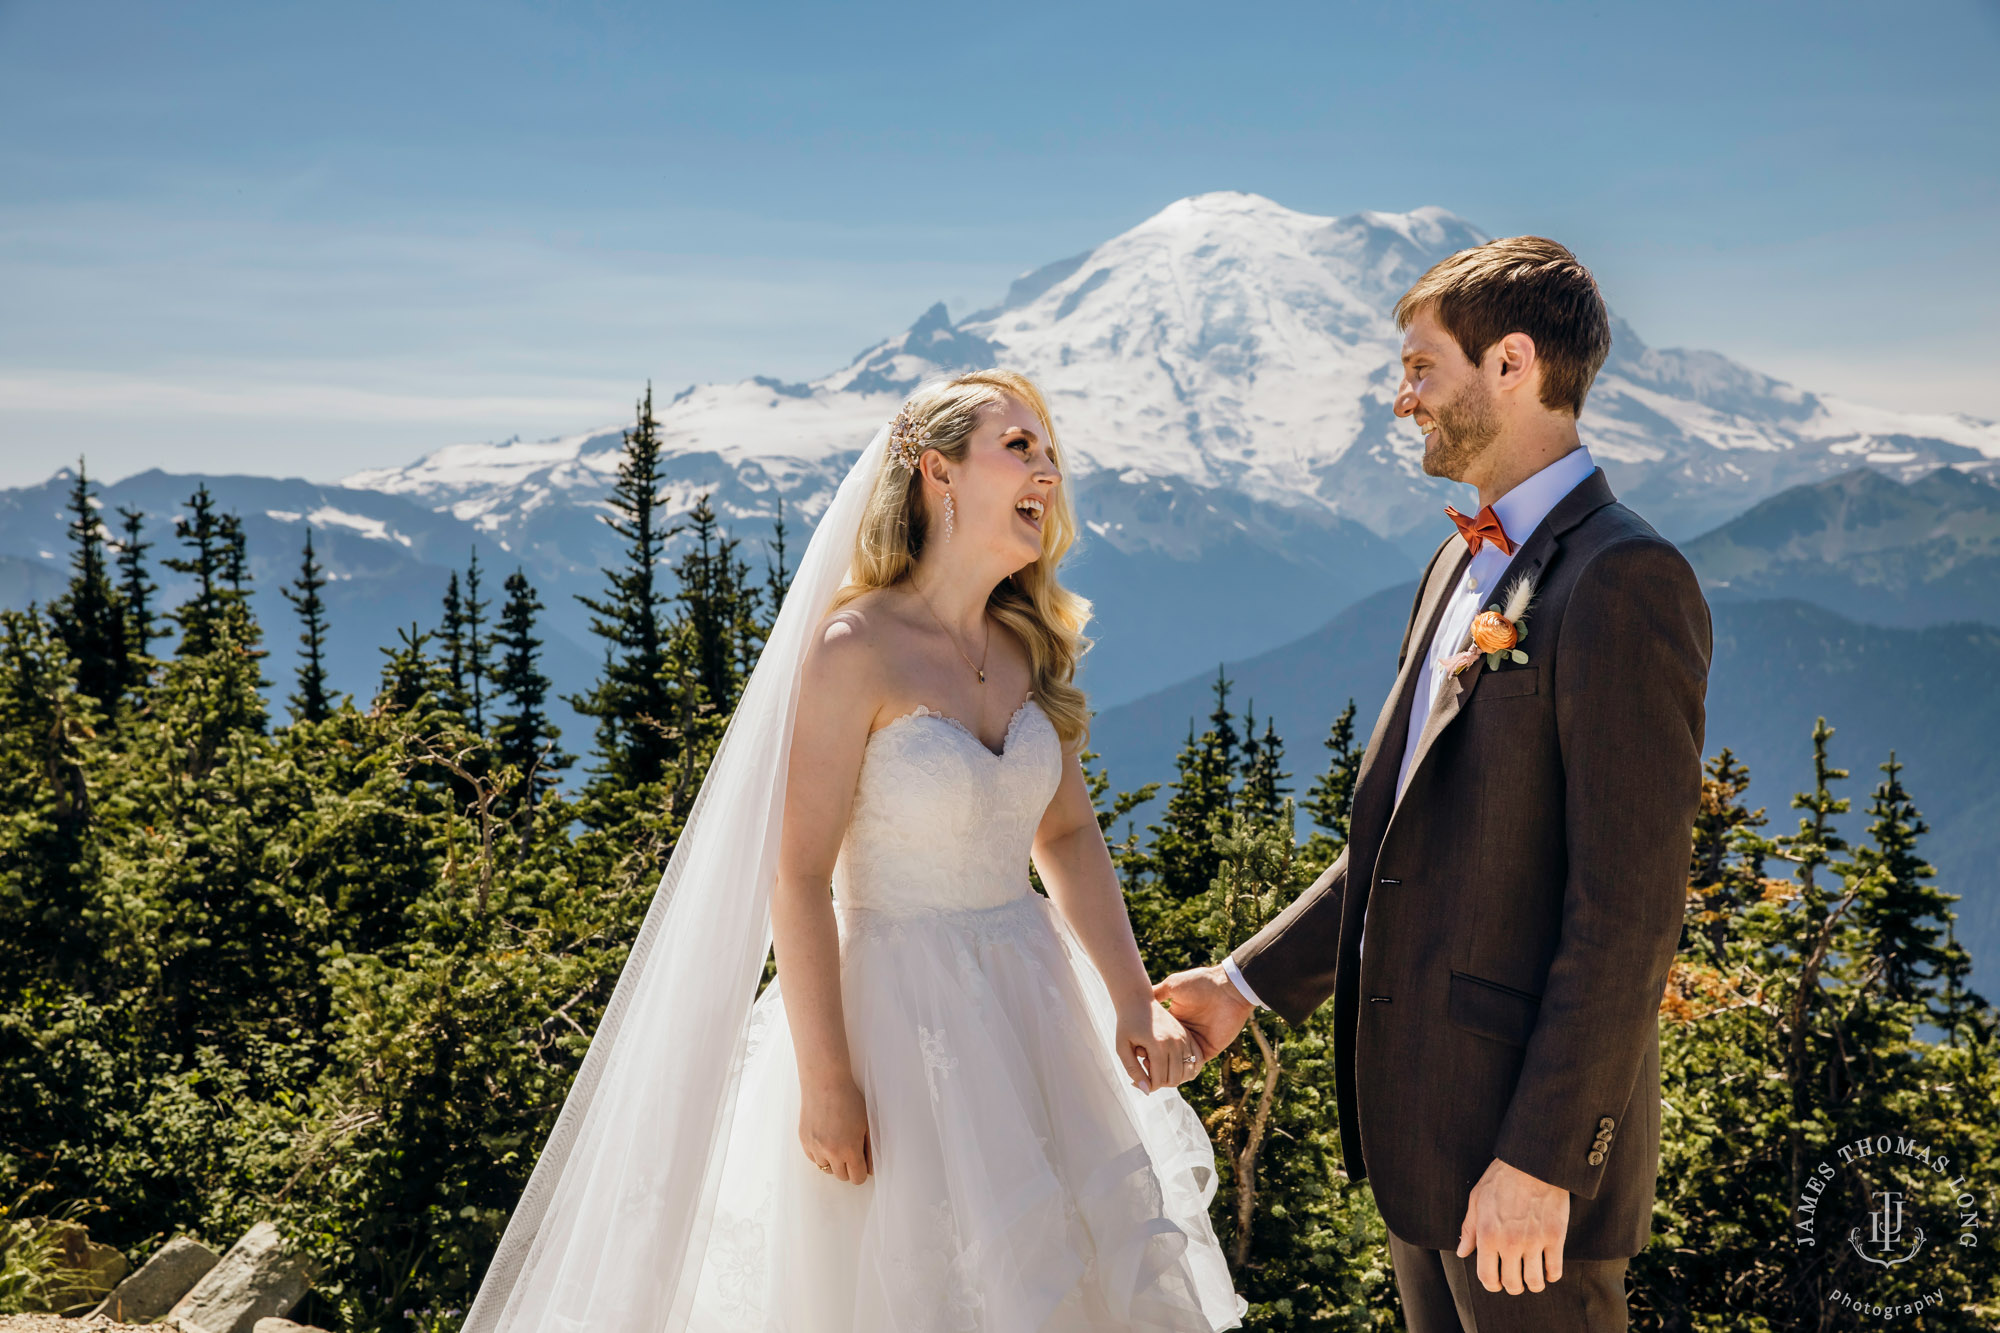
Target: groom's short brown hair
pixel 1522 284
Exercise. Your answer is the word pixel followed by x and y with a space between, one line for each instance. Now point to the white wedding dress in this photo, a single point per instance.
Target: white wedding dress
pixel 1021 1183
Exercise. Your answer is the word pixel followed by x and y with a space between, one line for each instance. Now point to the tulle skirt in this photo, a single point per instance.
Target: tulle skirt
pixel 1021 1183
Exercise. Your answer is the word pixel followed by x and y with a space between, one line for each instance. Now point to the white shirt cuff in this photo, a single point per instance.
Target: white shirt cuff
pixel 1235 975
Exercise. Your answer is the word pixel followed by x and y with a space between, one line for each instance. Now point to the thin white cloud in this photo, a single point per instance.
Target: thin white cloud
pixel 94 394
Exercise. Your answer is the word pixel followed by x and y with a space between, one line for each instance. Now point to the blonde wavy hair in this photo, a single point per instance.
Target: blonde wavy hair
pixel 895 530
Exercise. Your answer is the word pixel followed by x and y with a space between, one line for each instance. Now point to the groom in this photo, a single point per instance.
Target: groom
pixel 1496 936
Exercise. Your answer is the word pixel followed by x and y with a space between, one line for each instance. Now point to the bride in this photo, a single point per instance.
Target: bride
pixel 954 1108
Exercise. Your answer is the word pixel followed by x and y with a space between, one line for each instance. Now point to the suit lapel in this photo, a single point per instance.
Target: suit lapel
pixel 1531 557
pixel 1375 786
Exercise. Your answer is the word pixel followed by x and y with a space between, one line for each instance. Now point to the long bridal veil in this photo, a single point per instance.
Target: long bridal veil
pixel 608 1234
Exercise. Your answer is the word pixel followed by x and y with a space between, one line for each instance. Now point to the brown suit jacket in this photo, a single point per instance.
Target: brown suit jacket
pixel 1523 900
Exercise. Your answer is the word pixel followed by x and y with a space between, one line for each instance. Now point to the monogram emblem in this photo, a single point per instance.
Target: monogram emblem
pixel 1885 1232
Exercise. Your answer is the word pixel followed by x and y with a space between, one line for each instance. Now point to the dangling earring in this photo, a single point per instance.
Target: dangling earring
pixel 948 511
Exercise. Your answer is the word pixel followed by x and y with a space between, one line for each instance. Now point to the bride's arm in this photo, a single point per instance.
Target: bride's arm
pixel 835 710
pixel 1076 869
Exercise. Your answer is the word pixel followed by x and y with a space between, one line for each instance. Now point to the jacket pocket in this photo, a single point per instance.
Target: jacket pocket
pixel 1507 682
pixel 1493 1010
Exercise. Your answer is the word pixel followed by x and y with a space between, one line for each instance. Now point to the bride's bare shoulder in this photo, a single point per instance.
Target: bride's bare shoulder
pixel 860 625
pixel 852 643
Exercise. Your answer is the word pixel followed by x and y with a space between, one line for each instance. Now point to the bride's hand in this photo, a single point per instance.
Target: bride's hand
pixel 1166 1047
pixel 833 1129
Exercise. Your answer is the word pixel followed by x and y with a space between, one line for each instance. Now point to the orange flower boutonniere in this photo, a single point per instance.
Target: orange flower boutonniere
pixel 1497 632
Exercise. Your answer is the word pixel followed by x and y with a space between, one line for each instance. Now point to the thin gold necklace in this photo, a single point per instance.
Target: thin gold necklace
pixel 980 666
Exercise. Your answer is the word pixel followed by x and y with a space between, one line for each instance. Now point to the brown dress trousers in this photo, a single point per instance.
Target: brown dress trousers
pixel 1523 903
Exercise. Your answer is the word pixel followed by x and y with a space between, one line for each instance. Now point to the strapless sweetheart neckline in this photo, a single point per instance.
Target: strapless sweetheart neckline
pixel 1006 737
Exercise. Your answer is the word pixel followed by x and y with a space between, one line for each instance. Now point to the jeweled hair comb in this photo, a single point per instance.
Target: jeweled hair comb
pixel 906 442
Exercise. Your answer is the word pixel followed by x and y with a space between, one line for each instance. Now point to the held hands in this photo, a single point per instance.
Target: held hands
pixel 833 1129
pixel 1517 1223
pixel 1207 1004
pixel 1155 1048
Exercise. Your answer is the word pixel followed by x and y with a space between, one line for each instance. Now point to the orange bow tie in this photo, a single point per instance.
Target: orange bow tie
pixel 1484 528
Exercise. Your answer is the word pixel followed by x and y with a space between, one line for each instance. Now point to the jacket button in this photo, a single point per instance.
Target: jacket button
pixel 1596 1158
pixel 1607 1124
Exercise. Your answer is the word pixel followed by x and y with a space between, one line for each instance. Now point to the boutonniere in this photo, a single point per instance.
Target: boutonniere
pixel 1497 631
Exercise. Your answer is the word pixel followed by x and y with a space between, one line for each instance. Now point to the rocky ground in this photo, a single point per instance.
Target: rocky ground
pixel 48 1323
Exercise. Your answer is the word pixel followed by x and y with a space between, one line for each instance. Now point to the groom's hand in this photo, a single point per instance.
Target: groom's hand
pixel 1517 1223
pixel 1208 1006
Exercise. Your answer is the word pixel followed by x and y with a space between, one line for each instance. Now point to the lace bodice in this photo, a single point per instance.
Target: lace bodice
pixel 939 821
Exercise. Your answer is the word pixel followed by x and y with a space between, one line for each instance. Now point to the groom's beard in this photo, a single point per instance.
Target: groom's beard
pixel 1466 428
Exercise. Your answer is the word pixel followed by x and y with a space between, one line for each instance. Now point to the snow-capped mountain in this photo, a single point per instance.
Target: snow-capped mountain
pixel 1228 343
pixel 1222 377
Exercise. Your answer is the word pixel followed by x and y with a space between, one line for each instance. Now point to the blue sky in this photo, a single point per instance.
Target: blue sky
pixel 300 239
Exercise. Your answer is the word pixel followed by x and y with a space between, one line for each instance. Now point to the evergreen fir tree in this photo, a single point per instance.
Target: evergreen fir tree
pixel 749 627
pixel 235 555
pixel 1824 976
pixel 1126 855
pixel 411 678
pixel 1904 921
pixel 720 618
pixel 1816 844
pixel 47 717
pixel 1962 1012
pixel 522 734
pixel 310 703
pixel 217 660
pixel 640 719
pixel 474 643
pixel 717 606
pixel 1727 868
pixel 1263 791
pixel 204 534
pixel 1330 799
pixel 1167 891
pixel 1203 788
pixel 136 590
pixel 451 634
pixel 89 617
pixel 246 633
pixel 777 578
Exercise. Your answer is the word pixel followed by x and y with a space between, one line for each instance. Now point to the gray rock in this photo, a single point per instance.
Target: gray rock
pixel 163 1279
pixel 283 1326
pixel 254 1280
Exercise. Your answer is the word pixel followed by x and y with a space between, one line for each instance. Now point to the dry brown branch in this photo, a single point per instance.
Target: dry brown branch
pixel 343 1126
pixel 485 793
pixel 1246 1160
